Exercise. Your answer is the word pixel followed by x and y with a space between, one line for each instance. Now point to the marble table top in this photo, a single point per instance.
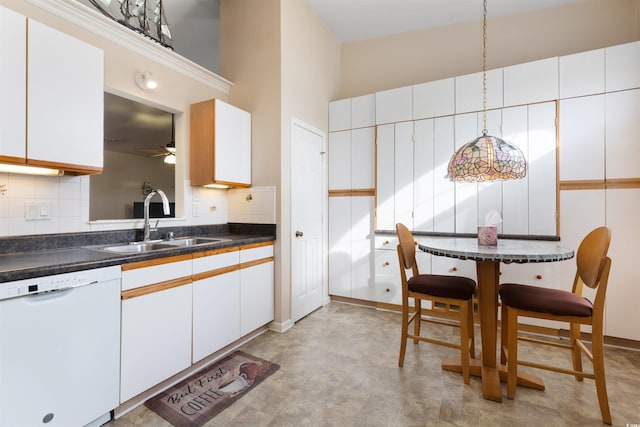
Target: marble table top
pixel 507 250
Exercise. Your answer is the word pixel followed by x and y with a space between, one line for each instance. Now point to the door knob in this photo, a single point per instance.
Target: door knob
pixel 299 234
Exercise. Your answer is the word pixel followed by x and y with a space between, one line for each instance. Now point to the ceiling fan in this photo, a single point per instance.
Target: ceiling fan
pixel 169 149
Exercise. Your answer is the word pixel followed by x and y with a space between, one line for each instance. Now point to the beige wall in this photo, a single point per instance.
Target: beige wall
pixel 422 56
pixel 310 79
pixel 284 64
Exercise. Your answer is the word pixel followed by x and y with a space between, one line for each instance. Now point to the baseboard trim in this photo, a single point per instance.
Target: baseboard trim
pixel 281 327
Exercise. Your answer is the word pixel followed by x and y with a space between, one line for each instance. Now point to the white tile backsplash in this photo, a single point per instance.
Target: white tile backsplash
pixel 255 205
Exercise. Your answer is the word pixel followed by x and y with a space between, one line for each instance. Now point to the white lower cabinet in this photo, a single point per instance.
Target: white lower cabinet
pixel 388 282
pixel 216 302
pixel 155 340
pixel 256 287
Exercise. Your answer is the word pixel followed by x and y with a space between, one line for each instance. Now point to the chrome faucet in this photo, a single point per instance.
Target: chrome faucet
pixel 147 201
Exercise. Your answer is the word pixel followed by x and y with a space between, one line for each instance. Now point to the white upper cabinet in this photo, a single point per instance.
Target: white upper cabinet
pixel 65 100
pixel 340 160
pixel 582 74
pixel 622 110
pixel 363 111
pixel 394 105
pixel 403 174
pixel 515 213
pixel 582 138
pixel 433 99
pixel 423 192
pixel 13 80
pixel 443 189
pixel 466 193
pixel 385 147
pixel 362 158
pixel 340 115
pixel 623 66
pixel 531 82
pixel 220 144
pixel 469 91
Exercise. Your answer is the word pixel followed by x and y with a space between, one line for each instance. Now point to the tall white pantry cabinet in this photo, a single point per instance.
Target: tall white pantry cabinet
pixel 575 117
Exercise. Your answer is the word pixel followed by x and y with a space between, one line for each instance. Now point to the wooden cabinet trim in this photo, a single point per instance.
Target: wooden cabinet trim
pixel 216 272
pixel 600 184
pixel 215 252
pixel 156 287
pixel 256 245
pixel 70 169
pixel 156 261
pixel 353 193
pixel 255 262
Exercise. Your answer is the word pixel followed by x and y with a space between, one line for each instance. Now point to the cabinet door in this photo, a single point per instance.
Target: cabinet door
pixel 444 200
pixel 385 178
pixel 403 175
pixel 433 99
pixel 531 82
pixel 65 99
pixel 362 158
pixel 490 192
pixel 582 148
pixel 340 246
pixel 340 115
pixel 469 91
pixel 622 66
pixel 623 293
pixel 340 160
pixel 232 144
pixel 515 209
pixel 216 313
pixel 256 297
pixel 394 105
pixel 13 81
pixel 361 247
pixel 363 111
pixel 156 339
pixel 621 129
pixel 423 178
pixel 581 74
pixel 466 193
pixel 542 169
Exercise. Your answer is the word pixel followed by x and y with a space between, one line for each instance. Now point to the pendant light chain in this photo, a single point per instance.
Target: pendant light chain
pixel 484 69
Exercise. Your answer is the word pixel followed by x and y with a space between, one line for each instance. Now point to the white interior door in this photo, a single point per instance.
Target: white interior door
pixel 307 214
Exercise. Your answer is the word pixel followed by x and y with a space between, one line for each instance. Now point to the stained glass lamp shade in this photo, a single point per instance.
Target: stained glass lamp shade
pixel 487 158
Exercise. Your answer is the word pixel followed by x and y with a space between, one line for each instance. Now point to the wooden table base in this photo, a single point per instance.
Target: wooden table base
pixel 491 377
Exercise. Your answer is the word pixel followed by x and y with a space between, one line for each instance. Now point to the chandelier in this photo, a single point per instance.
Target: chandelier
pixel 486 158
pixel 143 16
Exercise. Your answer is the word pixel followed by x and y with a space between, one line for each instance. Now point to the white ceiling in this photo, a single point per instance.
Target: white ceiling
pixel 351 20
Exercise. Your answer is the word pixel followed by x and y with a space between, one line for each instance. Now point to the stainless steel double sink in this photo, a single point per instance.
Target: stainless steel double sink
pixel 156 245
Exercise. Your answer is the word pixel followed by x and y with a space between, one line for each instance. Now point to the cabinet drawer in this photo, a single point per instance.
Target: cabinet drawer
pixel 386 242
pixel 202 264
pixel 252 254
pixel 137 274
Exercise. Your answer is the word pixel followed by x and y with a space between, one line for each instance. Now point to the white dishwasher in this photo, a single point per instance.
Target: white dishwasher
pixel 60 349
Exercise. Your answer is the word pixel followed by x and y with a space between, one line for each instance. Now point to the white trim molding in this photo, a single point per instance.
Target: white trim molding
pixel 93 21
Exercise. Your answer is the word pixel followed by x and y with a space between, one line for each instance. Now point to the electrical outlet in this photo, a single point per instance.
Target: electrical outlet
pixel 195 209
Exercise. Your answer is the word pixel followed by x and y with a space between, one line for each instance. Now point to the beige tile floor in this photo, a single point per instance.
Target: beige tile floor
pixel 339 368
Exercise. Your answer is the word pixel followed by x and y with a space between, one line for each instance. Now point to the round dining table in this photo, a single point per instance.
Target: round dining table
pixel 488 259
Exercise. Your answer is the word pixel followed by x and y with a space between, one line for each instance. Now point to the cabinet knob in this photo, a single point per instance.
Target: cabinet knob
pixel 387 290
pixel 386 242
pixel 386 264
pixel 299 234
pixel 454 269
pixel 539 276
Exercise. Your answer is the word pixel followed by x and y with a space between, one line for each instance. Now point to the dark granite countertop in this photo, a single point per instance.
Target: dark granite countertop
pixel 45 257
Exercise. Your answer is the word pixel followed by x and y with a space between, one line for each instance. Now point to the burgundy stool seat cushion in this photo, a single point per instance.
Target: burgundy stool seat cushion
pixel 443 286
pixel 545 300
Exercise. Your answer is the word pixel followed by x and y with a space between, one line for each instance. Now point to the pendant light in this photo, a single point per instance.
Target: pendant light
pixel 486 158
